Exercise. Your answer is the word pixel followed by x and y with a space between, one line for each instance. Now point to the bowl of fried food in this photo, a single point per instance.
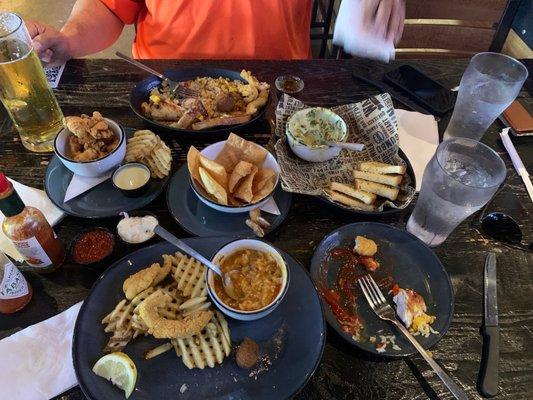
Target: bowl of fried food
pixel 259 277
pixel 311 131
pixel 207 100
pixel 90 146
pixel 233 176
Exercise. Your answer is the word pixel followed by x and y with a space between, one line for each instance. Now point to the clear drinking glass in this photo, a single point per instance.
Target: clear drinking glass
pixel 489 85
pixel 24 90
pixel 461 177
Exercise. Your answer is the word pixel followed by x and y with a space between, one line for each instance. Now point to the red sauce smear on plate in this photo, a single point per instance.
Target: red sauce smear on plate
pixel 93 246
pixel 342 298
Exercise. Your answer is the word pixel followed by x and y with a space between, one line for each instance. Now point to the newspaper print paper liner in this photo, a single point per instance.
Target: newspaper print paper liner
pixel 371 122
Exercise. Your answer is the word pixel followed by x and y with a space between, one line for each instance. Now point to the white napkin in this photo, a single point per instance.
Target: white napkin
pixel 36 362
pixel 350 34
pixel 419 138
pixel 80 184
pixel 271 207
pixel 35 198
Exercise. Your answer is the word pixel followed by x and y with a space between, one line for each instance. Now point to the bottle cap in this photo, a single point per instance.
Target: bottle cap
pixel 4 183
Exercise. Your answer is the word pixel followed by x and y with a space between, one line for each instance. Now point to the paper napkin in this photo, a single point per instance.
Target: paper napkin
pixel 35 198
pixel 419 138
pixel 36 362
pixel 271 207
pixel 80 184
pixel 351 35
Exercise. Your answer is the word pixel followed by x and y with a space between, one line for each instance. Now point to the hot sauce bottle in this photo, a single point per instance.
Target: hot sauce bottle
pixel 15 291
pixel 29 231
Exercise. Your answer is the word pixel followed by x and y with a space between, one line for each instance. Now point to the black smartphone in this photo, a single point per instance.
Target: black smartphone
pixel 421 88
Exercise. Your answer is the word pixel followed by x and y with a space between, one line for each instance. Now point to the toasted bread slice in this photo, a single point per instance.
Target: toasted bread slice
pixel 391 180
pixel 350 201
pixel 381 168
pixel 365 197
pixel 388 192
pixel 364 246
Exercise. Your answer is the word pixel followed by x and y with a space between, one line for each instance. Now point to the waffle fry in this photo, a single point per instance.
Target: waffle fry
pixel 189 274
pixel 185 293
pixel 156 351
pixel 148 148
pixel 207 348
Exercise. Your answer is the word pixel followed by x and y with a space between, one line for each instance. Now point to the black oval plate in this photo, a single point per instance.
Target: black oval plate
pixel 410 172
pixel 102 201
pixel 298 323
pixel 411 264
pixel 201 220
pixel 141 92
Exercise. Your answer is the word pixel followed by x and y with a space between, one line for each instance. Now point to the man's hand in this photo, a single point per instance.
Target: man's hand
pixel 384 18
pixel 51 46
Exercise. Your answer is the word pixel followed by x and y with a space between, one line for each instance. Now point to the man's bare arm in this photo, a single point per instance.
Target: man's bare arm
pixel 91 27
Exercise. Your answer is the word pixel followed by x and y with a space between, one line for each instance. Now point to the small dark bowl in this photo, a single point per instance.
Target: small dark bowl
pixel 132 192
pixel 138 213
pixel 80 235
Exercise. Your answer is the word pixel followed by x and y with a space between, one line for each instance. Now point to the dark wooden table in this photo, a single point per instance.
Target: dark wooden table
pixel 344 373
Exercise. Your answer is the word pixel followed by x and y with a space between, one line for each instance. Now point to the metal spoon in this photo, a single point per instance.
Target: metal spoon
pixel 347 146
pixel 227 282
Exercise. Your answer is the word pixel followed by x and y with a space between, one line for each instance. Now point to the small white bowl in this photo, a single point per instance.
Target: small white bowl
pixel 92 168
pixel 212 152
pixel 254 244
pixel 318 153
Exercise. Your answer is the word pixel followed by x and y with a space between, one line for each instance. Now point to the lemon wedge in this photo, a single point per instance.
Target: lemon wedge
pixel 119 369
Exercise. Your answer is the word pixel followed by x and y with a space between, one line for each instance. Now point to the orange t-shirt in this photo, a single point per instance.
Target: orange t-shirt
pixel 218 29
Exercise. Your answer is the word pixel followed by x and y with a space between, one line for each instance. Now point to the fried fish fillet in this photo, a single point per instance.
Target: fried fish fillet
pixel 162 328
pixel 145 278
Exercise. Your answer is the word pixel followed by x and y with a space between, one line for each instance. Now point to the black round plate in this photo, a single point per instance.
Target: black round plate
pixel 292 337
pixel 409 262
pixel 386 211
pixel 142 90
pixel 102 201
pixel 201 220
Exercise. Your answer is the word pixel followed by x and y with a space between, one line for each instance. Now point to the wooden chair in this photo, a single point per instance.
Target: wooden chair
pixel 455 28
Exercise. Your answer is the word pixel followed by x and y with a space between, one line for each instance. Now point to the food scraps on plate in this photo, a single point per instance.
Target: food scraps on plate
pixel 218 101
pixel 341 298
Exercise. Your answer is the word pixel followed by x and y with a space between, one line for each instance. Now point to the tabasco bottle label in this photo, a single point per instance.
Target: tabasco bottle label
pixel 33 252
pixel 13 284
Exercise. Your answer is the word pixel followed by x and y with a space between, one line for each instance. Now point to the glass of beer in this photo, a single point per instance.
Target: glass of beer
pixel 24 90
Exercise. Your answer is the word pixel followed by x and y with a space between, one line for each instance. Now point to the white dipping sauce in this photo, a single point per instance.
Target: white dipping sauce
pixel 137 229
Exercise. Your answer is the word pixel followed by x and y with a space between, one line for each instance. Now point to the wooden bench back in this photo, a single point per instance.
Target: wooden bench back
pixel 451 28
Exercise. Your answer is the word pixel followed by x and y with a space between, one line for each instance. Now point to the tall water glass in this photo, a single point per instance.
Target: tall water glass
pixel 489 85
pixel 461 178
pixel 24 90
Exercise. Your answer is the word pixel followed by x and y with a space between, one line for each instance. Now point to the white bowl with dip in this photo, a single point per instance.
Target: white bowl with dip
pixel 212 152
pixel 309 129
pixel 96 167
pixel 251 244
pixel 136 227
pixel 132 179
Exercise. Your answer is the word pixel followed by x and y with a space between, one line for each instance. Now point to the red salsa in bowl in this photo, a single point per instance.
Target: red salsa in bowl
pixel 93 245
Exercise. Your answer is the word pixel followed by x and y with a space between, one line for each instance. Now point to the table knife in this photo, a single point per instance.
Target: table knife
pixel 411 105
pixel 488 373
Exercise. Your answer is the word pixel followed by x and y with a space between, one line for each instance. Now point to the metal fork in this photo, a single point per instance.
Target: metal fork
pixel 175 87
pixel 383 310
